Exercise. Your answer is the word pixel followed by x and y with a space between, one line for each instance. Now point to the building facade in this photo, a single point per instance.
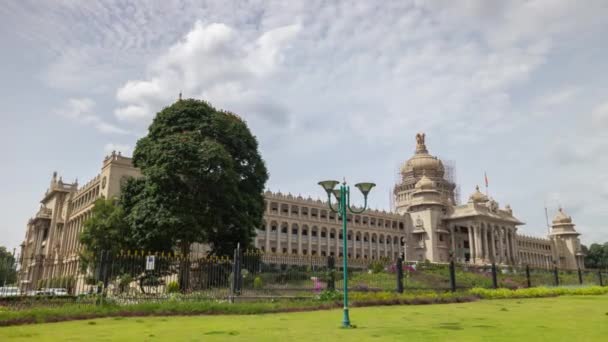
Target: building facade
pixel 426 225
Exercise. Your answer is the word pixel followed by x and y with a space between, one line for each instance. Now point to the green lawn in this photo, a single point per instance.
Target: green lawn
pixel 568 318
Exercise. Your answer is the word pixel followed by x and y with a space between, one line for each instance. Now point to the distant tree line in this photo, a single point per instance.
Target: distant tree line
pixel 596 256
pixel 8 267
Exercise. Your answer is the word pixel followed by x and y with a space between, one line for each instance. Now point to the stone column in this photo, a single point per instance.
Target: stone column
pixel 514 246
pixel 267 238
pixel 478 246
pixel 328 244
pixel 300 239
pixel 278 238
pixel 310 241
pixel 471 245
pixel 488 247
pixel 453 234
pixel 492 248
pixel 289 228
pixel 510 247
pixel 501 250
pixel 337 242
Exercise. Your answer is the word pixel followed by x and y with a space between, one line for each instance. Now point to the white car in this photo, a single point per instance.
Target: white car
pixel 9 291
pixel 59 292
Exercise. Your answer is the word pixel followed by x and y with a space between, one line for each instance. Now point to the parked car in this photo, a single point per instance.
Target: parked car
pixel 9 291
pixel 59 292
pixel 44 292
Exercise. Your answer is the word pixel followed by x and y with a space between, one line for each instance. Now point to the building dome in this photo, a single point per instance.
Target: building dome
pixel 478 197
pixel 425 183
pixel 422 160
pixel 562 218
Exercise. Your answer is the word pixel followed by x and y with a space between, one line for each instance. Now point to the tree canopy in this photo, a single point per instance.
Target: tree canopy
pixel 203 181
pixel 597 256
pixel 106 230
pixel 8 267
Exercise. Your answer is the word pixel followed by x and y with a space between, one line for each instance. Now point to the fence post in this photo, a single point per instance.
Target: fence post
pixel 331 282
pixel 556 276
pixel 399 275
pixel 494 277
pixel 100 273
pixel 236 272
pixel 599 273
pixel 106 266
pixel 452 276
pixel 580 276
pixel 528 276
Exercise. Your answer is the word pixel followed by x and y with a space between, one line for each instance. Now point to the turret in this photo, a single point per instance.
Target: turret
pixel 565 237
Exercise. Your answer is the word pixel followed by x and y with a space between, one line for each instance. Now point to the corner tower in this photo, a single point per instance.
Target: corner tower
pixel 568 252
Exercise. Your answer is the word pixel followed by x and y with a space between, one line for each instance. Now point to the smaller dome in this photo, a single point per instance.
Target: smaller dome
pixel 562 218
pixel 425 183
pixel 478 197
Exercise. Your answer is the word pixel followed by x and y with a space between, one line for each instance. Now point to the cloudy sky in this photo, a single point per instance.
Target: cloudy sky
pixel 517 89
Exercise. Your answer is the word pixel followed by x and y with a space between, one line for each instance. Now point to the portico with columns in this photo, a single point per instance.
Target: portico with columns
pixel 483 233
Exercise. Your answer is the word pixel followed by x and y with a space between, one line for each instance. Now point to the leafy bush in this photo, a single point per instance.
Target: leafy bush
pixel 376 267
pixel 258 283
pixel 537 292
pixel 330 296
pixel 173 287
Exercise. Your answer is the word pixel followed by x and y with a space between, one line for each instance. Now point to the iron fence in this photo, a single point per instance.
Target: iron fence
pixel 131 277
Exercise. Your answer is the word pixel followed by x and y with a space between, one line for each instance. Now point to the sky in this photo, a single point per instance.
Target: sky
pixel 331 89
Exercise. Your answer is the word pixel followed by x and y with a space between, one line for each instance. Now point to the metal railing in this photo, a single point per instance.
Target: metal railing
pixel 131 277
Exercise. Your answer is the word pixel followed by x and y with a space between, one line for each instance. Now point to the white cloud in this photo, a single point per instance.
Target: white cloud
pixel 81 110
pixel 599 115
pixel 339 88
pixel 216 63
pixel 558 97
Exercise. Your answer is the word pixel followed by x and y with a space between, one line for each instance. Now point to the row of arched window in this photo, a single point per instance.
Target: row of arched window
pixel 85 198
pixel 292 210
pixel 274 237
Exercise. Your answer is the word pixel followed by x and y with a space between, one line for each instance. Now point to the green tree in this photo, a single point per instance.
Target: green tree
pixel 596 256
pixel 105 231
pixel 203 181
pixel 8 267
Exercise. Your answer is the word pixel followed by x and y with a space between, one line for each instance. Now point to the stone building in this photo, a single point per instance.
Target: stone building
pixel 51 245
pixel 426 225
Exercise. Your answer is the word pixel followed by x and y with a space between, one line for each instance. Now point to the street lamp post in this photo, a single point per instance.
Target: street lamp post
pixel 342 195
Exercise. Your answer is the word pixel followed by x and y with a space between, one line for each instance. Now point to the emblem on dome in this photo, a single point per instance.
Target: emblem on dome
pixel 420 143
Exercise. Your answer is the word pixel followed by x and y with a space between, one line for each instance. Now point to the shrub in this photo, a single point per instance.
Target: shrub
pixel 124 281
pixel 173 287
pixel 258 283
pixel 330 296
pixel 537 292
pixel 376 267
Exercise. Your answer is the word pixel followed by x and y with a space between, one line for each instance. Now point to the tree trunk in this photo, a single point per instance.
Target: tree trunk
pixel 184 267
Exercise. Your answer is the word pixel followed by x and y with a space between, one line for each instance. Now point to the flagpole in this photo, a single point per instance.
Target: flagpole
pixel 485 176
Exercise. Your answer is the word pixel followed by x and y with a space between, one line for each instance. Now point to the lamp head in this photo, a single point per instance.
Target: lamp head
pixel 328 185
pixel 336 194
pixel 365 188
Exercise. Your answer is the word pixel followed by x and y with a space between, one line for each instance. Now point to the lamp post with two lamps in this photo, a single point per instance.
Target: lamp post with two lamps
pixel 342 195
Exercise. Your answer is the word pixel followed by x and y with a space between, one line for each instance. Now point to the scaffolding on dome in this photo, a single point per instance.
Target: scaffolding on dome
pixel 396 182
pixel 450 176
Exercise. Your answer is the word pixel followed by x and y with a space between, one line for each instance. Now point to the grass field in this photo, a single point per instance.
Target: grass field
pixel 568 318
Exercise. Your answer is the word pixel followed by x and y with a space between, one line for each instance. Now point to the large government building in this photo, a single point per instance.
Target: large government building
pixel 426 224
